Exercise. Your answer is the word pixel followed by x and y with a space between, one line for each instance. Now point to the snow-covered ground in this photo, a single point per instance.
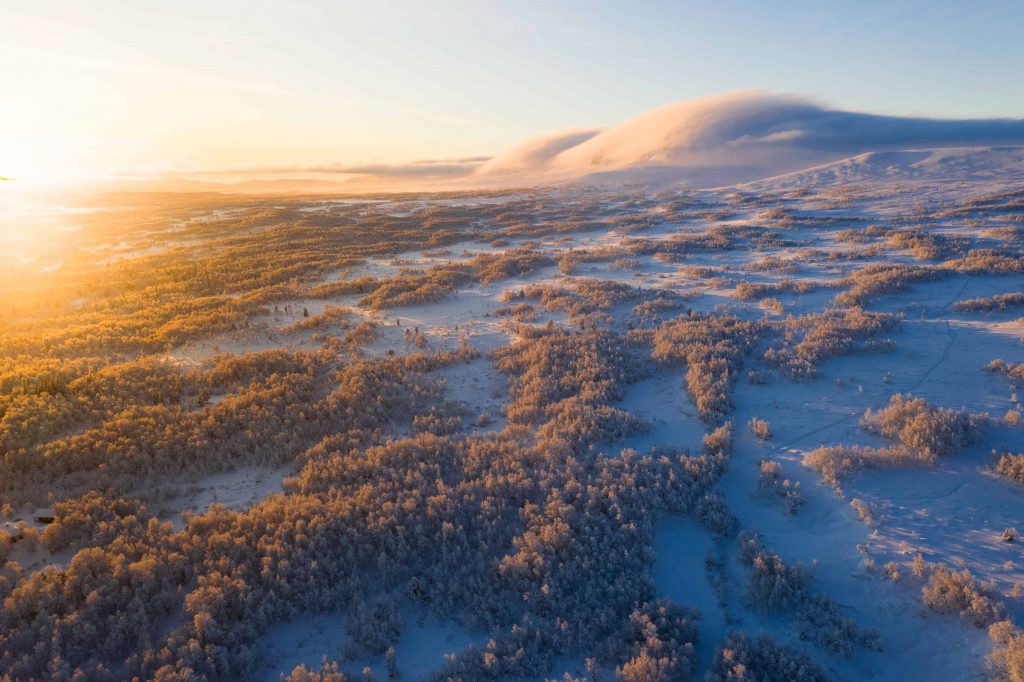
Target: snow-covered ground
pixel 308 639
pixel 953 513
pixel 233 489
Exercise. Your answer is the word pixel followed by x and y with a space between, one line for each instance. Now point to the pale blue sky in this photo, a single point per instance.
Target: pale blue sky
pixel 145 85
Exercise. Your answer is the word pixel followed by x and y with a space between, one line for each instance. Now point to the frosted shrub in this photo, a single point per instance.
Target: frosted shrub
pixel 927 430
pixel 836 461
pixel 774 265
pixel 1013 371
pixel 987 262
pixel 925 245
pixel 758 377
pixel 923 432
pixel 998 302
pixel 773 305
pixel 828 335
pixel 864 511
pixel 715 515
pixel 588 296
pixel 656 643
pixel 1006 662
pixel 328 672
pixel 949 591
pixel 376 627
pixel 713 348
pixel 820 621
pixel 742 659
pixel 750 291
pixel 771 484
pixel 777 587
pixel 880 278
pixel 760 428
pixel 1010 466
pixel 774 585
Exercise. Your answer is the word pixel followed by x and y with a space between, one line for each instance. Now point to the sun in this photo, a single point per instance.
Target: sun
pixel 17 171
pixel 38 164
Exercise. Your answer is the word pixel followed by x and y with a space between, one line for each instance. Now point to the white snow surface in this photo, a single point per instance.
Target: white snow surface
pixel 953 513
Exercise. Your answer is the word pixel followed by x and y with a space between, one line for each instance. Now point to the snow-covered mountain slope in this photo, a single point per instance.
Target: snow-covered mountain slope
pixel 736 138
pixel 958 164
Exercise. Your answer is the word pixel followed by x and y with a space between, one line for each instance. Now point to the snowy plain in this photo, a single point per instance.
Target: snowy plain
pixel 952 513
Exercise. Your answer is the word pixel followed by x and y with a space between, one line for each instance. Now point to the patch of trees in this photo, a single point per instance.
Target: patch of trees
pixel 44 399
pixel 751 291
pixel 883 278
pixel 268 421
pixel 649 310
pixel 861 235
pixel 1006 662
pixel 328 672
pixel 827 335
pixel 343 287
pixel 412 287
pixel 922 432
pixel 331 316
pixel 925 245
pixel 714 514
pixel 760 428
pixel 374 627
pixel 987 262
pixel 1010 466
pixel 1011 234
pixel 559 377
pixel 957 592
pixel 834 462
pixel 1014 371
pixel 774 265
pixel 716 238
pixel 656 643
pixel 928 431
pixel 588 296
pixel 776 587
pixel 713 348
pixel 998 302
pixel 549 546
pixel 773 486
pixel 740 658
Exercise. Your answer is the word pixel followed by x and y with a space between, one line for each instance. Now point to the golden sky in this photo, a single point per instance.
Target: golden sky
pixel 106 88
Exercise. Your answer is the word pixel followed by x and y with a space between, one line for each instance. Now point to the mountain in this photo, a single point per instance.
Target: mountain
pixel 957 164
pixel 729 139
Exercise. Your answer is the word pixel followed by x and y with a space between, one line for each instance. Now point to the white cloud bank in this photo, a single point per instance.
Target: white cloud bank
pixel 731 138
pixel 713 141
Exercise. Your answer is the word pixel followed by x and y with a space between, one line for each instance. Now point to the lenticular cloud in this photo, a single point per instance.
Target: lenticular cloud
pixel 735 138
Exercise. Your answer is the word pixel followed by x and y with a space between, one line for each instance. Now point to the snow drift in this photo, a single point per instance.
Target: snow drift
pixel 732 138
pixel 995 165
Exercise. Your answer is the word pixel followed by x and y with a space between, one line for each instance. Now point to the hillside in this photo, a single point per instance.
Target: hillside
pixel 734 138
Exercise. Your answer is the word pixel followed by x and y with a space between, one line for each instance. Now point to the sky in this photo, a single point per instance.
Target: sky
pixel 102 88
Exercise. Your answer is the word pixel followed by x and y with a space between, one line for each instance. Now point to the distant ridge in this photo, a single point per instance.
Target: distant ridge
pixel 729 139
